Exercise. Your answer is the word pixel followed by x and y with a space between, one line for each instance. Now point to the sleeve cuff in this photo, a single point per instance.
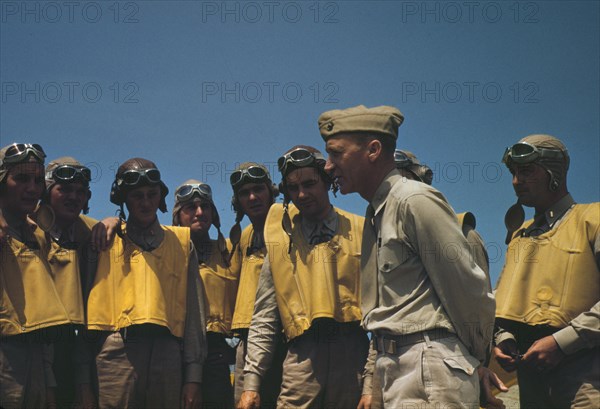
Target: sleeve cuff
pixel 193 373
pixel 251 382
pixel 503 336
pixel 367 388
pixel 568 340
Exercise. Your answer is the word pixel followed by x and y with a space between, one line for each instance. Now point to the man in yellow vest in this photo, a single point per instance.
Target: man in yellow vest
pixel 253 195
pixel 309 288
pixel 68 233
pixel 145 310
pixel 548 294
pixel 430 312
pixel 31 310
pixel 194 208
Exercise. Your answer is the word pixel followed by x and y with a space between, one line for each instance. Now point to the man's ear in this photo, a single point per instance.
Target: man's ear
pixel 374 149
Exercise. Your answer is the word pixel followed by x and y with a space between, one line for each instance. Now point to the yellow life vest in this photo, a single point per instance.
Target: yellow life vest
pixel 66 269
pixel 220 286
pixel 314 281
pixel 133 286
pixel 28 297
pixel 251 264
pixel 551 278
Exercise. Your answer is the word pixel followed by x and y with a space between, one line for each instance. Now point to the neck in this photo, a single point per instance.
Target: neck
pixel 551 202
pixel 377 175
pixel 200 239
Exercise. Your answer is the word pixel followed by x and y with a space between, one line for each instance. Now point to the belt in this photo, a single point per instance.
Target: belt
pixel 144 331
pixel 390 344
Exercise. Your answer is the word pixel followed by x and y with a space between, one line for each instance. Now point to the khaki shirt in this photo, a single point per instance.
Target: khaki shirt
pixel 425 275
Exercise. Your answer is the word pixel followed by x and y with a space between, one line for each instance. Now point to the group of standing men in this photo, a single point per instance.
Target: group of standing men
pixel 141 317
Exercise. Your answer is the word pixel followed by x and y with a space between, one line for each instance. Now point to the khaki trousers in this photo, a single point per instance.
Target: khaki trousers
pixel 438 374
pixel 139 372
pixel 324 366
pixel 22 382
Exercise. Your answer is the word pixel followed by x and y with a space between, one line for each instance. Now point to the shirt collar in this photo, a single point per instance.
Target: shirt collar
pixel 558 209
pixel 381 194
pixel 329 224
pixel 147 238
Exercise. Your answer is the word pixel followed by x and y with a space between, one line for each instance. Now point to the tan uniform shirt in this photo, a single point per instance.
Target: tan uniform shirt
pixel 417 270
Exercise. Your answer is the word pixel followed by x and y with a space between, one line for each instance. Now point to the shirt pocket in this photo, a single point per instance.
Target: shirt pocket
pixel 392 255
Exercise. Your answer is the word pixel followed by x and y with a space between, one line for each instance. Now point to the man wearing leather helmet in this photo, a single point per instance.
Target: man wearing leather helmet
pixel 31 311
pixel 146 306
pixel 68 232
pixel 548 294
pixel 318 310
pixel 194 208
pixel 253 195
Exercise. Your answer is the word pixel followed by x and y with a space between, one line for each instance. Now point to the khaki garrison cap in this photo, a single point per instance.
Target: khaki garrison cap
pixel 382 120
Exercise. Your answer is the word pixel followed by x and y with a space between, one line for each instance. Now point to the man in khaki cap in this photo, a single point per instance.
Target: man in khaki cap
pixel 548 294
pixel 430 312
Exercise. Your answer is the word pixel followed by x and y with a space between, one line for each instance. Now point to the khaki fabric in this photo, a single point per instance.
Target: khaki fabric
pixel 135 287
pixel 22 379
pixel 429 375
pixel 381 120
pixel 334 293
pixel 323 368
pixel 558 295
pixel 139 373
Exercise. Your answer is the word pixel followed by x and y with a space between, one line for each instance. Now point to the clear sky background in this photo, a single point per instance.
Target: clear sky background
pixel 199 87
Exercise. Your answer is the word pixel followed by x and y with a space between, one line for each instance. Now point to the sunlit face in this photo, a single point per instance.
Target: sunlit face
pixel 346 163
pixel 308 192
pixel 197 215
pixel 68 200
pixel 142 204
pixel 531 182
pixel 24 188
pixel 255 199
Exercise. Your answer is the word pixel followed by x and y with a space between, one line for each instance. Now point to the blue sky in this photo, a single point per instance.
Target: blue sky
pixel 199 87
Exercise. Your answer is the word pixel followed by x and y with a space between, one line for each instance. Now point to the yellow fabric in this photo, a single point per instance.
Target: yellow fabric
pixel 65 264
pixel 315 281
pixel 220 284
pixel 133 286
pixel 28 298
pixel 250 271
pixel 552 278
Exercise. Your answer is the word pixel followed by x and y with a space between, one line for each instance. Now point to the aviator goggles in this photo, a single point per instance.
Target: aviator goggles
pixel 69 173
pixel 522 153
pixel 402 160
pixel 186 192
pixel 133 177
pixel 18 151
pixel 253 173
pixel 299 158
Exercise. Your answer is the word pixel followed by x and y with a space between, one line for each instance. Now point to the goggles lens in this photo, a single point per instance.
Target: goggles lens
pixel 133 177
pixel 401 159
pixel 523 152
pixel 69 173
pixel 300 158
pixel 18 151
pixel 186 192
pixel 253 172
